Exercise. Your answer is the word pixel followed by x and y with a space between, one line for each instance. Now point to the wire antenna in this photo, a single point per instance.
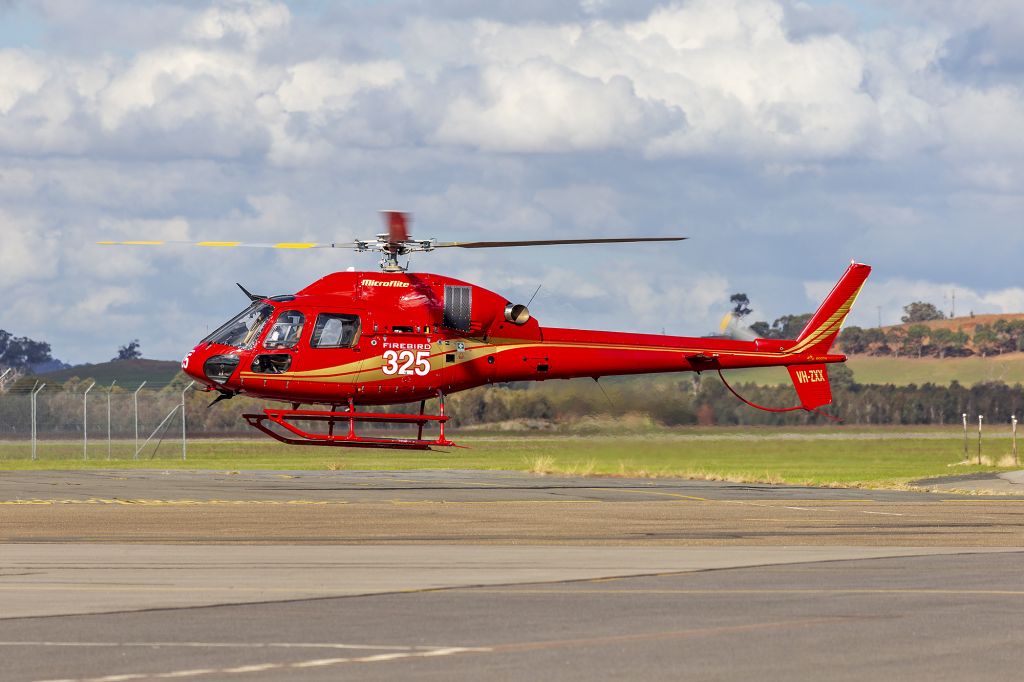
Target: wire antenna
pixel 597 380
pixel 534 295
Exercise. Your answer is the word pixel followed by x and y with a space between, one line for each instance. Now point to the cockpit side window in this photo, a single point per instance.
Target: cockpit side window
pixel 242 330
pixel 286 330
pixel 335 330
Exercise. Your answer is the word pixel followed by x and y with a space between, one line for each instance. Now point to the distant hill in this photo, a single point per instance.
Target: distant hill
pixel 966 324
pixel 128 373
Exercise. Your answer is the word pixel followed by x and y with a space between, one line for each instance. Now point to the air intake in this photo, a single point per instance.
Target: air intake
pixel 458 306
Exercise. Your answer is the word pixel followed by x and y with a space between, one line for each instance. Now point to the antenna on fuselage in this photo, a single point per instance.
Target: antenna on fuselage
pixel 252 297
pixel 534 294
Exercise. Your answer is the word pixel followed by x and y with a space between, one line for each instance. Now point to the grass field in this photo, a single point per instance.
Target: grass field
pixel 826 456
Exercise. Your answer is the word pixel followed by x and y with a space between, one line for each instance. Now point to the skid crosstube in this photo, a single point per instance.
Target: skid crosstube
pixel 347 420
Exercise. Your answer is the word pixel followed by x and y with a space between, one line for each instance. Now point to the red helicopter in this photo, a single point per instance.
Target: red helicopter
pixel 358 339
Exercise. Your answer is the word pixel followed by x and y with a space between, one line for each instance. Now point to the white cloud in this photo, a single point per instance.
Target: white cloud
pixel 720 78
pixel 979 119
pixel 329 84
pixel 26 252
pixel 20 75
pixel 539 106
pixel 774 133
pixel 254 22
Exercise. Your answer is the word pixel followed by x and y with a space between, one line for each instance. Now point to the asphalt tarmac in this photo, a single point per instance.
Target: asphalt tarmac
pixel 148 575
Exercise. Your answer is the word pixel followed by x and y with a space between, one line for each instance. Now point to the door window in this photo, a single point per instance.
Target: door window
pixel 335 330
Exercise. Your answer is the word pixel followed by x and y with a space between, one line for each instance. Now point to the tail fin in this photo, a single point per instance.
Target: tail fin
pixel 809 373
pixel 821 332
pixel 811 384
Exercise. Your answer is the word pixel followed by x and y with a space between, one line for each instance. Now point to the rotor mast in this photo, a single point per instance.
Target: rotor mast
pixel 395 242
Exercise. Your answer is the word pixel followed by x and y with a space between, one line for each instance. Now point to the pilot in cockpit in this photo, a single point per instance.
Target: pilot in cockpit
pixel 286 330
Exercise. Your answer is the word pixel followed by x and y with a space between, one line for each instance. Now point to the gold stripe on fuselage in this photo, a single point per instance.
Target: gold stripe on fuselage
pixel 359 372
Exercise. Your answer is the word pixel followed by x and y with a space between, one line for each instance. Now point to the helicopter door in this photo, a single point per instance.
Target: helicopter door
pixel 334 349
pixel 276 354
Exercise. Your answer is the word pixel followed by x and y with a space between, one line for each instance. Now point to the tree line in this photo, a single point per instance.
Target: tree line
pixel 919 340
pixel 914 339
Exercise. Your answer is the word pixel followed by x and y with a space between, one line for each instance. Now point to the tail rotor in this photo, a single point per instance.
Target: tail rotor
pixel 733 327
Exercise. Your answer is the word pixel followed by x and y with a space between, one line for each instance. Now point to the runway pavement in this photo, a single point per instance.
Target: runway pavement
pixel 135 575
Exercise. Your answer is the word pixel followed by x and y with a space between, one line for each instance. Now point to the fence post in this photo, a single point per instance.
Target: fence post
pixel 979 439
pixel 965 438
pixel 183 434
pixel 1013 422
pixel 136 399
pixel 35 418
pixel 109 391
pixel 32 413
pixel 85 421
pixel 3 376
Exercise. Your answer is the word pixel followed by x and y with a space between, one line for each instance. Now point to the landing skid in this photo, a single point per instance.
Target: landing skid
pixel 348 420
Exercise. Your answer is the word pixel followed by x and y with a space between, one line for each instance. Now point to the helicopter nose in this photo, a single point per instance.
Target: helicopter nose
pixel 192 365
pixel 209 367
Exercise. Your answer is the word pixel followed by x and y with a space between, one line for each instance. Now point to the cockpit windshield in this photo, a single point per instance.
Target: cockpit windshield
pixel 244 328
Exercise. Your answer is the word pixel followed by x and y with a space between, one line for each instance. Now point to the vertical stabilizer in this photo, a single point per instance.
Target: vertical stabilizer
pixel 821 332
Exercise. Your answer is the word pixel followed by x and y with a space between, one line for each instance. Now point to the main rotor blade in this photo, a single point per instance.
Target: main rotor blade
pixel 248 245
pixel 552 242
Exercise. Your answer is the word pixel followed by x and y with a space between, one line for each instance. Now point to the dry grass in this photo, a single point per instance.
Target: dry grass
pixel 582 468
pixel 547 465
pixel 1005 461
pixel 543 464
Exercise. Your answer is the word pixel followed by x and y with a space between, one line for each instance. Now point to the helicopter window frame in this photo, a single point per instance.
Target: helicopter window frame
pixel 290 330
pixel 241 332
pixel 324 319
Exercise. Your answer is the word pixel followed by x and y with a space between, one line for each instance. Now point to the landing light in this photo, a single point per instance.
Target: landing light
pixel 219 368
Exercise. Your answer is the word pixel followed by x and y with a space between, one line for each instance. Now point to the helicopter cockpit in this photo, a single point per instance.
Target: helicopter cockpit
pixel 242 330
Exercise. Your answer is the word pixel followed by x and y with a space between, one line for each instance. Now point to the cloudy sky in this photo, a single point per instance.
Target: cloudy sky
pixel 784 137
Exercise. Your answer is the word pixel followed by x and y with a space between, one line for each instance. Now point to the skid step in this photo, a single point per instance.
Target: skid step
pixel 347 420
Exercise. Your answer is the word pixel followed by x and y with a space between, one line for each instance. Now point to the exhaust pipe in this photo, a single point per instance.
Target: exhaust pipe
pixel 517 313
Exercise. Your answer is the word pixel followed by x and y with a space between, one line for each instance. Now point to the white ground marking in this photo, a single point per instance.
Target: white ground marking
pixel 403 652
pixel 189 673
pixel 232 645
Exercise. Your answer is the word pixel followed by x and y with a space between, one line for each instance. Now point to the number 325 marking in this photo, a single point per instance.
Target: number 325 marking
pixel 406 362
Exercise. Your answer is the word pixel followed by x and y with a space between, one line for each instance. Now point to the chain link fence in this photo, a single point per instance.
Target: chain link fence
pixel 90 421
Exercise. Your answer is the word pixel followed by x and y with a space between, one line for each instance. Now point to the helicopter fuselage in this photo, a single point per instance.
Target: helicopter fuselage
pixel 384 338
